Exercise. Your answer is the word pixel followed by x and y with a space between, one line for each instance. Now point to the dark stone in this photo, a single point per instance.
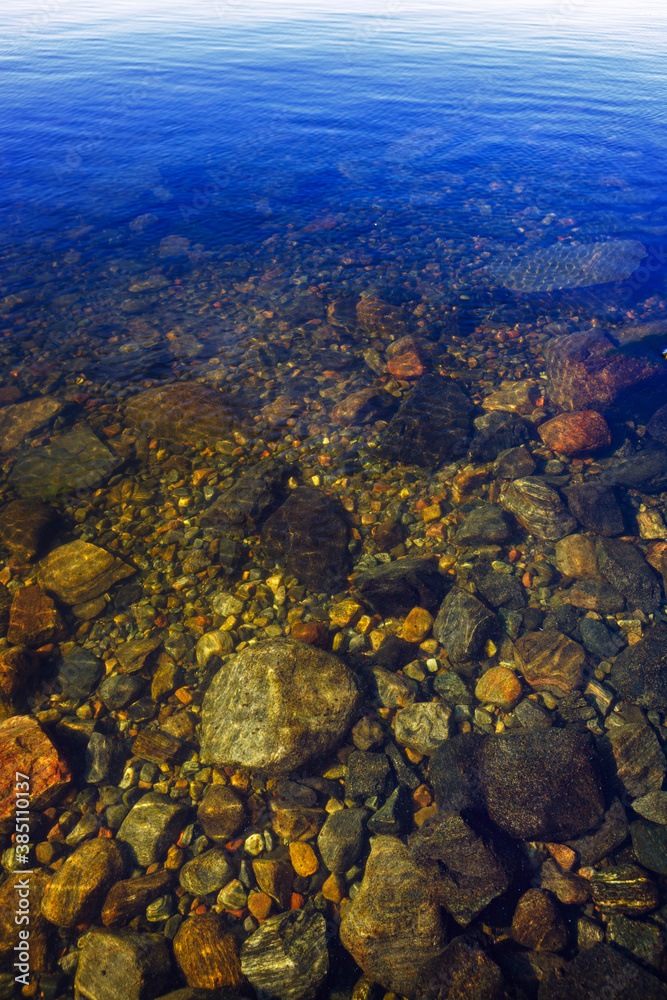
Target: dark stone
pixel 26 527
pixel 287 957
pixel 639 672
pixel 495 433
pixel 463 971
pixel 431 425
pixel 501 590
pixel 639 762
pixel 119 690
pixel 122 965
pixel 453 773
pixel 395 816
pixel 397 587
pixel 394 653
pixel 538 508
pixel 130 897
pixel 649 841
pixel 595 507
pixel 405 775
pixel 645 471
pixel 611 833
pixel 250 500
pixel 76 460
pixel 368 774
pixel 562 618
pixel 483 525
pixel 541 784
pixel 657 426
pixel 624 567
pixel 601 971
pixel 185 411
pixel 102 758
pixel 452 688
pixel 515 463
pixel 598 640
pixel 642 941
pixel 587 372
pixel 595 595
pixel 79 673
pixel 151 826
pixel 222 813
pixel 341 839
pixel 467 872
pixel 463 625
pixel 309 533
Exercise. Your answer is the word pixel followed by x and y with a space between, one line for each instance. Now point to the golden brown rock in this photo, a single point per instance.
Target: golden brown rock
pixel 417 625
pixel 550 661
pixel 20 419
pixel 77 890
pixel 303 858
pixel 206 955
pixel 499 686
pixel 130 897
pixel 274 877
pixel 34 619
pixel 42 952
pixel 26 749
pixel 393 928
pixel 622 889
pixel 379 317
pixel 78 571
pixel 186 411
pixel 222 813
pixel 353 408
pixel 576 557
pixel 574 433
pixel 17 668
pixel 313 633
pixel 537 923
pixel 513 397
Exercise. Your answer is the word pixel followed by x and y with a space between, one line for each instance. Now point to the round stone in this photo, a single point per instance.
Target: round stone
pixel 499 686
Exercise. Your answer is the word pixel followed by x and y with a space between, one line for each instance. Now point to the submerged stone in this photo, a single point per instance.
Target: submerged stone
pixel 248 502
pixel 464 625
pixel 76 460
pixel 287 957
pixel 186 411
pixel 397 587
pixel 596 508
pixel 431 424
pixel 538 508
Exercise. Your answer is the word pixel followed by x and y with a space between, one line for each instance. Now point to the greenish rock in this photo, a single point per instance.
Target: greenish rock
pixel 341 839
pixel 395 816
pixel 649 841
pixel 208 872
pixel 151 826
pixel 287 957
pixel 463 625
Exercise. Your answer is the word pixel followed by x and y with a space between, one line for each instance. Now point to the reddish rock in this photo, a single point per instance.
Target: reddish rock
pixel 25 748
pixel 379 317
pixel 406 366
pixel 550 661
pixel 353 408
pixel 42 952
pixel 586 371
pixel 207 955
pixel 314 633
pixel 537 922
pixel 17 668
pixel 572 433
pixel 34 620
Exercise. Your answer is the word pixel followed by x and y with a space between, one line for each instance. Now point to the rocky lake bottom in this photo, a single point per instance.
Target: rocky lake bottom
pixel 333 656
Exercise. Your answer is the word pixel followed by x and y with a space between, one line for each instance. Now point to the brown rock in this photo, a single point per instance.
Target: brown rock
pixel 17 668
pixel 76 891
pixel 303 857
pixel 537 923
pixel 573 433
pixel 417 625
pixel 186 411
pixel 259 905
pixel 25 748
pixel 499 686
pixel 274 877
pixel 623 889
pixel 34 619
pixel 393 928
pixel 133 655
pixel 42 955
pixel 353 408
pixel 25 528
pixel 538 508
pixel 335 888
pixel 78 572
pixel 313 633
pixel 550 661
pixel 571 890
pixel 21 419
pixel 292 822
pixel 586 372
pixel 221 814
pixel 387 535
pixel 404 360
pixel 129 898
pixel 379 317
pixel 206 955
pixel 513 397
pixel 576 557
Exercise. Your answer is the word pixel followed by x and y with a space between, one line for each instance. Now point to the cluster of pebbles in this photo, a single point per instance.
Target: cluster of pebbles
pixel 338 667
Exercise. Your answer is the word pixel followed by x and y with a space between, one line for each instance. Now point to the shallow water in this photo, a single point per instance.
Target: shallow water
pixel 265 199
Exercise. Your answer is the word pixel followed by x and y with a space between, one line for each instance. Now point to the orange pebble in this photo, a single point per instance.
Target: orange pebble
pixel 422 796
pixel 201 909
pixel 513 555
pixel 259 904
pixel 104 832
pixel 297 901
pixel 526 579
pixel 334 888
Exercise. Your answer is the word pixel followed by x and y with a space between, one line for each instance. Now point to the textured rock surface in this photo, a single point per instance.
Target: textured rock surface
pixel 397 587
pixel 78 571
pixel 538 508
pixel 463 971
pixel 596 508
pixel 187 411
pixel 624 567
pixel 483 525
pixel 276 705
pixel 25 747
pixel 206 954
pixel 639 672
pixel 431 424
pixel 537 922
pixel 576 557
pixel 122 965
pixel 34 619
pixel 550 661
pixel 78 889
pixel 601 968
pixel 341 838
pixel 20 419
pixel 76 460
pixel 640 762
pixel 151 825
pixel 393 928
pixel 221 813
pixel 422 727
pixel 26 527
pixel 250 500
pixel 573 433
pixel 541 784
pixel 463 625
pixel 41 931
pixel 309 533
pixel 287 956
pixel 130 897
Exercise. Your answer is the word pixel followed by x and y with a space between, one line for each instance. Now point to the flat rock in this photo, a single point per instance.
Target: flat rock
pixel 586 372
pixel 514 463
pixel 244 507
pixel 645 471
pixel 25 747
pixel 34 620
pixel 207 954
pixel 595 595
pixel 151 825
pixel 397 587
pixel 464 625
pixel 639 672
pixel 576 557
pixel 41 931
pixel 393 928
pixel 20 419
pixel 625 568
pixel 76 460
pixel 186 411
pixel 595 507
pixel 207 872
pixel 130 897
pixel 26 527
pixel 309 534
pixel 464 971
pixel 541 784
pixel 287 957
pixel 79 672
pixel 276 705
pixel 550 661
pixel 78 571
pixel 133 655
pixel 538 508
pixel 431 424
pixel 574 433
pixel 78 889
pixel 121 965
pixel 494 433
pixel 601 968
pixel 467 872
pixel 640 762
pixel 482 526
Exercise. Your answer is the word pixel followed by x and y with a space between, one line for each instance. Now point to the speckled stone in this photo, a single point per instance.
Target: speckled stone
pixel 423 726
pixel 574 433
pixel 341 839
pixel 151 826
pixel 537 922
pixel 121 965
pixel 208 872
pixel 463 625
pixel 221 813
pixel 499 686
pixel 78 571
